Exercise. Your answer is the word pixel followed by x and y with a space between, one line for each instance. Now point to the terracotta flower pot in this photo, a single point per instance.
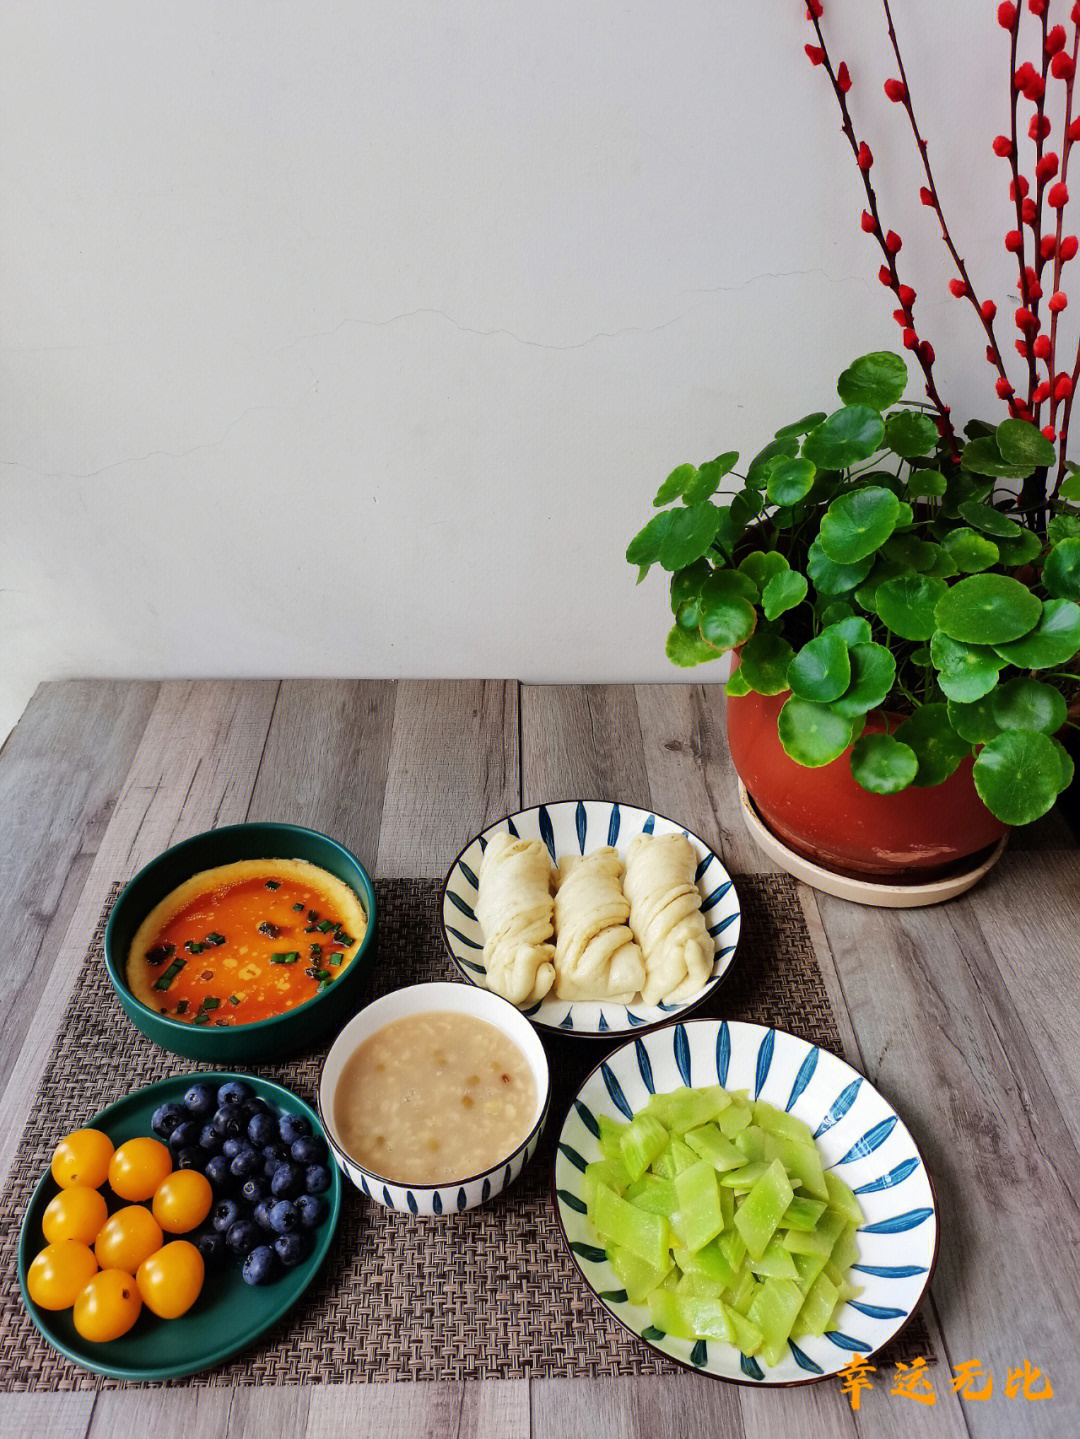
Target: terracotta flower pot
pixel 826 816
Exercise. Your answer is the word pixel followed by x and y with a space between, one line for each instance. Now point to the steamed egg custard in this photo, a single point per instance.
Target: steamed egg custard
pixel 245 941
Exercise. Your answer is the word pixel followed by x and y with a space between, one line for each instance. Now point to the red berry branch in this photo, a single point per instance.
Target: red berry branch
pixel 1065 246
pixel 889 241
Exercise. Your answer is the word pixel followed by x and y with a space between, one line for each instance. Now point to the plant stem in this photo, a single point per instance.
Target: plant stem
pixel 1066 148
pixel 1014 165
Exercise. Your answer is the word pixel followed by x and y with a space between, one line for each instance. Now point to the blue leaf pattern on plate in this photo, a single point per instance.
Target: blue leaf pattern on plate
pixel 510 825
pixel 613 1296
pixel 603 1025
pixel 702 866
pixel 580 823
pixel 577 1160
pixel 587 1118
pixel 875 1311
pixel 462 1198
pixel 590 1251
pixel 483 844
pixel 567 1022
pixel 614 1088
pixel 652 1333
pixel 803 1360
pixel 633 1020
pixel 725 923
pixel 547 834
pixel 845 1341
pixel 682 1053
pixel 485 1191
pixel 436 1202
pixel 613 826
pixel 699 1355
pixel 458 903
pixel 644 1065
pixel 750 1367
pixel 410 1200
pixel 871 1140
pixel 723 1052
pixel 469 875
pixel 668 1008
pixel 386 1197
pixel 716 896
pixel 891 1180
pixel 764 1061
pixel 891 1271
pixel 844 1101
pixel 472 944
pixel 528 1013
pixel 649 825
pixel 471 964
pixel 899 1222
pixel 803 1078
pixel 506 1176
pixel 577 1205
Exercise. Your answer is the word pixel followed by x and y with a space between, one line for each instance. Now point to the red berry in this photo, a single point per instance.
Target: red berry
pixel 1040 393
pixel 1002 146
pixel 901 317
pixel 911 339
pixel 1019 185
pixel 988 310
pixel 1041 348
pixel 1024 75
pixel 885 275
pixel 1025 320
pixel 865 156
pixel 926 350
pixel 815 54
pixel 1028 211
pixel 1073 132
pixel 1047 167
pixel 1021 347
pixel 843 78
pixel 893 243
pixel 896 90
pixel 1047 246
pixel 1040 125
pixel 814 9
pixel 1006 15
pixel 927 196
pixel 1057 301
pixel 1068 247
pixel 1003 388
pixel 1013 241
pixel 1057 197
pixel 990 356
pixel 1050 433
pixel 906 295
pixel 868 222
pixel 1055 40
pixel 1063 387
pixel 1062 67
pixel 958 289
pixel 1038 7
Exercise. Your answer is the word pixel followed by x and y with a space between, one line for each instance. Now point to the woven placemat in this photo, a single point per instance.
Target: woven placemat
pixel 489 1294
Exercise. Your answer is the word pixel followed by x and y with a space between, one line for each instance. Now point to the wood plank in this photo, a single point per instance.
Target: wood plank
pixel 195 768
pixel 194 1413
pixel 46 1416
pixel 453 769
pixel 60 774
pixel 260 1413
pixel 582 742
pixel 326 759
pixel 495 1409
pixel 384 1411
pixel 639 1407
pixel 690 770
pixel 940 1035
pixel 818 1409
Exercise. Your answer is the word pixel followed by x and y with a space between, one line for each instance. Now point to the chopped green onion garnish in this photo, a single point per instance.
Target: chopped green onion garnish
pixel 344 939
pixel 270 930
pixel 193 946
pixel 313 915
pixel 316 951
pixel 324 925
pixel 210 1002
pixel 182 1007
pixel 324 984
pixel 214 938
pixel 298 907
pixel 201 1018
pixel 170 974
pixel 234 999
pixel 290 958
pixel 160 953
pixel 334 958
pixel 273 884
pixel 313 973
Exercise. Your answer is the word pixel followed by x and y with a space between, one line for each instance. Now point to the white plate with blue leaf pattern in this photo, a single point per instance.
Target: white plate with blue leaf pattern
pixel 579 826
pixel 860 1137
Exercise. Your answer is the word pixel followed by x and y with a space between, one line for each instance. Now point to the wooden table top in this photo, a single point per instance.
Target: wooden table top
pixel 967 1016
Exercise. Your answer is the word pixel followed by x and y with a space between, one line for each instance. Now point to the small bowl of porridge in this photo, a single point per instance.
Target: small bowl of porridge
pixel 434 1097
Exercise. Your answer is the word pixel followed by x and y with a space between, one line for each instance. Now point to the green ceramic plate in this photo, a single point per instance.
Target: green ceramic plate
pixel 228 1315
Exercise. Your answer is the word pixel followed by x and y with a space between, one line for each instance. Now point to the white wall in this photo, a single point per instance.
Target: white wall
pixel 354 338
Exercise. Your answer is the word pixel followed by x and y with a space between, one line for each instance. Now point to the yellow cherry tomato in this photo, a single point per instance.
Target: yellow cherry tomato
pixel 182 1201
pixel 127 1238
pixel 108 1306
pixel 75 1213
pixel 138 1167
pixel 58 1274
pixel 171 1280
pixel 82 1157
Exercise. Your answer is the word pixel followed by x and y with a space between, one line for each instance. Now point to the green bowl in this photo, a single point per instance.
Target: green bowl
pixel 266 1038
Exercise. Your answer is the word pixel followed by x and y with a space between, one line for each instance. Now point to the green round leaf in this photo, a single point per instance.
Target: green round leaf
pixel 975 721
pixel 1063 527
pixel 686 584
pixel 761 565
pixel 736 686
pixel 675 484
pixel 882 764
pixel 944 566
pixel 758 472
pixel 689 535
pixel 1018 775
pixel 1070 486
pixel 1025 703
pixel 1068 768
pixel 878 380
pixel 982 457
pixel 847 436
pixel 1061 572
pixel 858 523
pixel 905 516
pixel 688 615
pixel 883 570
pixel 727 620
pixel 920 656
pixel 1020 551
pixel 911 552
pixel 962 486
pixel 763 663
pixel 685 649
pixel 853 630
pixel 873 671
pixel 812 734
pixel 731 525
pixel 644 548
pixel 800 427
pixel 821 670
pixel 1022 443
pixel 938 748
pixel 970 551
pixel 989 520
pixel 906 604
pixel 1053 641
pixel 965 672
pixel 925 483
pixel 831 612
pixel 833 579
pixel 783 592
pixel 730 582
pixel 987 610
pixel 790 480
pixel 706 482
pixel 908 434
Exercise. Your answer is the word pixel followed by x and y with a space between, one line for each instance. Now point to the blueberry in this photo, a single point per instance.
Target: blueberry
pixel 200 1101
pixel 245 1164
pixel 262 1213
pixel 189 1159
pixel 225 1214
pixel 217 1171
pixel 212 1248
pixel 312 1209
pixel 292 1127
pixel 228 1121
pixel 209 1139
pixel 286 1181
pixel 254 1189
pixel 260 1106
pixel 316 1179
pixel 234 1092
pixel 235 1145
pixel 242 1237
pixel 261 1128
pixel 184 1136
pixel 166 1118
pixel 273 1155
pixel 311 1149
pixel 260 1267
pixel 293 1248
pixel 283 1217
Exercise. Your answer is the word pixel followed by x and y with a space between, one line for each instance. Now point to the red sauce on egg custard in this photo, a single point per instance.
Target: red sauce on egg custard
pixel 247 951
